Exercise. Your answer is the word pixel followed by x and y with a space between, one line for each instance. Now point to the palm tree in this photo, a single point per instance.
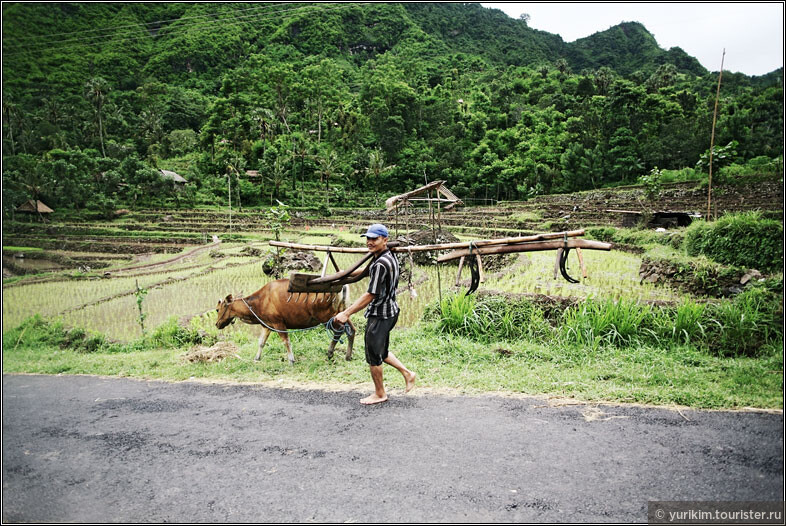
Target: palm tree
pixel 10 114
pixel 328 168
pixel 276 178
pixel 264 120
pixel 95 90
pixel 376 167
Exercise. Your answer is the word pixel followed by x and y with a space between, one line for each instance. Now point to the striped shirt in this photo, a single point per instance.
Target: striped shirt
pixel 382 284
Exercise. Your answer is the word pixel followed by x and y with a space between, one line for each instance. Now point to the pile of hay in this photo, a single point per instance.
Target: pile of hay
pixel 216 353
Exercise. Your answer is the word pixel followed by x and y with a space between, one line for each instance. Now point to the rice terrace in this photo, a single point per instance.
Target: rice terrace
pixel 135 296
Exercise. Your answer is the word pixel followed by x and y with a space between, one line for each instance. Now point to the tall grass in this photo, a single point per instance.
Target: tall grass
pixel 749 325
pixel 617 323
pixel 682 325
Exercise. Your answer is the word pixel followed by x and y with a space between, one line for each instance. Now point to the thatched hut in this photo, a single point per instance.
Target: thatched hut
pixel 34 207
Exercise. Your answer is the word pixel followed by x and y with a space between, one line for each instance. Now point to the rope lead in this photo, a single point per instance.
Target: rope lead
pixel 338 333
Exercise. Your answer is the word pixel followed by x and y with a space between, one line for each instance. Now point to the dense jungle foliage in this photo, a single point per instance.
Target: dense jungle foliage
pixel 329 100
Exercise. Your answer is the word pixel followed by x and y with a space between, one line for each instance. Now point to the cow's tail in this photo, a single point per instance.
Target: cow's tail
pixel 342 300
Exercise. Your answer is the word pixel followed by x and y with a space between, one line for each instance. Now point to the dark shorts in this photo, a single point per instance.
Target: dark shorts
pixel 378 338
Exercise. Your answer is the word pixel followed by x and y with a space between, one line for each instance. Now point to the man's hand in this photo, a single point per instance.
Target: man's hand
pixel 360 304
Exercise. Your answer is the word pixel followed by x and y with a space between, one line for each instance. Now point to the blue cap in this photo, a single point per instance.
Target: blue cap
pixel 376 230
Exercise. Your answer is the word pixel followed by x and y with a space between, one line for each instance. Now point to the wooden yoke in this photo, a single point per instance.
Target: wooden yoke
pixel 560 241
pixel 299 282
pixel 526 247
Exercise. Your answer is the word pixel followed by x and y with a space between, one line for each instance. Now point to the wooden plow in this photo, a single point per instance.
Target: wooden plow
pixel 468 253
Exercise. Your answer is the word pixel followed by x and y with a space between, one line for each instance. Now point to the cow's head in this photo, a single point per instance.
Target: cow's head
pixel 225 312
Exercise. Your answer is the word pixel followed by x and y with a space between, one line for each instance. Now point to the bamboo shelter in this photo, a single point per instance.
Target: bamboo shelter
pixel 34 207
pixel 442 195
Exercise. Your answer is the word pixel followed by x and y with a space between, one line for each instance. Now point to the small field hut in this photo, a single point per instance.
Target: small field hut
pixel 34 207
pixel 177 178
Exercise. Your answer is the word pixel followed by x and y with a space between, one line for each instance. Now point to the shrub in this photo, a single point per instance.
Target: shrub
pixel 744 240
pixel 683 324
pixel 744 326
pixel 36 332
pixel 602 233
pixel 171 334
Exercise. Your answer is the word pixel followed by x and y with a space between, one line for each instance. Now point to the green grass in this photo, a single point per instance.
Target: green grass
pixel 642 374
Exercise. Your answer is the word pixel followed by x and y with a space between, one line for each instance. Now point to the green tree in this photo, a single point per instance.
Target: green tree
pixel 625 164
pixel 95 91
pixel 376 168
pixel 328 167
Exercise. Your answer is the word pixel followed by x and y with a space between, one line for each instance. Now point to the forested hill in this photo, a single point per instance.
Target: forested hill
pixel 348 98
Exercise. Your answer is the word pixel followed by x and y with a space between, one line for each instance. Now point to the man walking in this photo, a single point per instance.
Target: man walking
pixel 382 313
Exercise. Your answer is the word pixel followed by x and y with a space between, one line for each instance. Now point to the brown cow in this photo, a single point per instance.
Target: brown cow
pixel 282 311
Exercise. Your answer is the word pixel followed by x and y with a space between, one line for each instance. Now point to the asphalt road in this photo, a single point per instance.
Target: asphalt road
pixel 92 449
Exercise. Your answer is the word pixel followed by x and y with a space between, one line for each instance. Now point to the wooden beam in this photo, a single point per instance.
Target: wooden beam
pixel 527 247
pixel 394 246
pixel 318 248
pixel 581 262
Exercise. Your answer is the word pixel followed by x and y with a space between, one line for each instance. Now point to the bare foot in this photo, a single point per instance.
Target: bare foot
pixel 373 399
pixel 410 382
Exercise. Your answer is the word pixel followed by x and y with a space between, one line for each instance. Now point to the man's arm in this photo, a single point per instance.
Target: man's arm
pixel 360 304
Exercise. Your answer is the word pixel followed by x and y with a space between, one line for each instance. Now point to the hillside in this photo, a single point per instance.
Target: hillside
pixel 351 99
pixel 627 48
pixel 362 32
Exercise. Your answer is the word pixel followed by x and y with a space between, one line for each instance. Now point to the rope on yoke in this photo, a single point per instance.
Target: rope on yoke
pixel 473 268
pixel 338 333
pixel 564 260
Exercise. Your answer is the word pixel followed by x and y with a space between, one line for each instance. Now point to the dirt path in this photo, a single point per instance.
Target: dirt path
pixel 91 449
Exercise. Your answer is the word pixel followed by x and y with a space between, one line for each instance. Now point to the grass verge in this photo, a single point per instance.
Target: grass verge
pixel 645 374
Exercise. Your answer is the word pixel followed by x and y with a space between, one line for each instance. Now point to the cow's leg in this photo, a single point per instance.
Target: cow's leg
pixel 331 348
pixel 262 340
pixel 350 340
pixel 290 356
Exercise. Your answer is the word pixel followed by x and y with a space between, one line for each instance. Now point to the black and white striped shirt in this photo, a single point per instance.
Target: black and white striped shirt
pixel 383 283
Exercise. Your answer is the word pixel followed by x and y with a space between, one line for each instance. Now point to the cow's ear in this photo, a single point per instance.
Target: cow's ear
pixel 229 299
